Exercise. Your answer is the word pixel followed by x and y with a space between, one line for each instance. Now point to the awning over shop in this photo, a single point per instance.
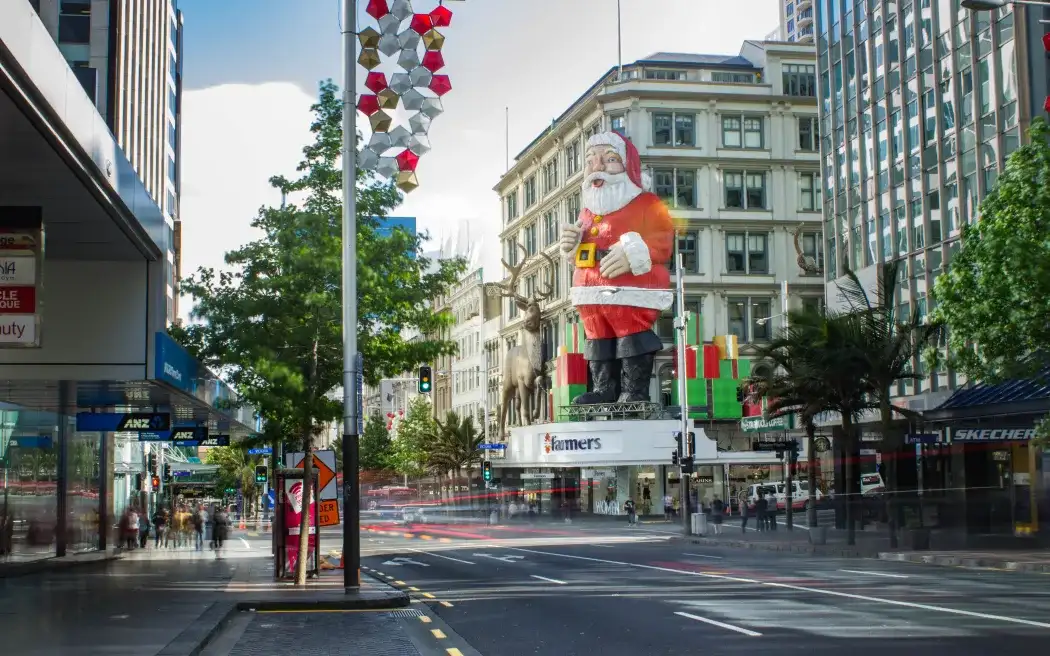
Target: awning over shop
pixel 1011 397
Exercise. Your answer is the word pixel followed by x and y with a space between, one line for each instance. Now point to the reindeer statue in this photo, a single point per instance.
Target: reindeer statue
pixel 523 364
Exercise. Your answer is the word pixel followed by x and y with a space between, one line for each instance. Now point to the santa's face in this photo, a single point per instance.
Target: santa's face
pixel 606 187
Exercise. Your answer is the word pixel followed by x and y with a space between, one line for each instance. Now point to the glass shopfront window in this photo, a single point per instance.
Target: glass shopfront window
pixel 82 489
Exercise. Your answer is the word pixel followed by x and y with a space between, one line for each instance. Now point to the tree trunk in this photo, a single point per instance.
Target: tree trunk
pixel 304 519
pixel 892 453
pixel 811 511
pixel 849 467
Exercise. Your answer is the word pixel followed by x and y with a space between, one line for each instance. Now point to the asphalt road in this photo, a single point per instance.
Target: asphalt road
pixel 613 590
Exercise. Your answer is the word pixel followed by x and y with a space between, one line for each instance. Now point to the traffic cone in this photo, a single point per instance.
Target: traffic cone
pixel 242 523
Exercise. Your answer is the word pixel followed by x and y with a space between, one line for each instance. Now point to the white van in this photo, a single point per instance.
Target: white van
pixel 799 496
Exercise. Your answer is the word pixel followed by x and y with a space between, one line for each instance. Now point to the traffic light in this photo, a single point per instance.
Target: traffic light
pixel 486 470
pixel 674 457
pixel 678 441
pixel 692 444
pixel 151 465
pixel 426 378
pixel 138 483
pixel 156 483
pixel 260 473
pixel 167 471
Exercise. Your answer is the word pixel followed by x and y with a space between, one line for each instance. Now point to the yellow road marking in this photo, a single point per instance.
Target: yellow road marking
pixel 428 595
pixel 424 619
pixel 426 537
pixel 413 588
pixel 399 583
pixel 446 604
pixel 438 633
pixel 452 651
pixel 409 535
pixel 379 573
pixel 389 577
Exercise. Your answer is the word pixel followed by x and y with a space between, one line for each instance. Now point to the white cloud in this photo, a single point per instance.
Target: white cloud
pixel 234 138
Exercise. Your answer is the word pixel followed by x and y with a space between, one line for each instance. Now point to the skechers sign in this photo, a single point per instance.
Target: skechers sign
pixel 992 434
pixel 555 443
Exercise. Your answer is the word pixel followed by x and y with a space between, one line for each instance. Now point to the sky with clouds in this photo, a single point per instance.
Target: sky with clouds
pixel 251 70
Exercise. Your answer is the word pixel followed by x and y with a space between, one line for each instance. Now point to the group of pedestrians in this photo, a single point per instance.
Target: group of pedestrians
pixel 174 530
pixel 765 512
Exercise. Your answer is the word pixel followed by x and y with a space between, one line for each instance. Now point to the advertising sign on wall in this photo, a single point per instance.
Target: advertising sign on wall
pixel 593 443
pixel 21 261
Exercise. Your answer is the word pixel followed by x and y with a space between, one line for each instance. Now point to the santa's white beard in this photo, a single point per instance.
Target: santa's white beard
pixel 614 194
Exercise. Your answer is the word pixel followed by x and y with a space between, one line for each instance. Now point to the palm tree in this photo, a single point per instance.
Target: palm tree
pixel 892 343
pixel 458 445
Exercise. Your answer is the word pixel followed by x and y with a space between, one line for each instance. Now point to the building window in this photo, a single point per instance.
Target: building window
pixel 572 159
pixel 690 252
pixel 530 192
pixel 573 207
pixel 742 132
pixel 747 253
pixel 800 80
pixel 813 304
pixel 511 249
pixel 172 102
pixel 88 78
pixel 174 33
pixel 171 136
pixel 74 22
pixel 512 206
pixel 171 169
pixel 550 176
pixel 673 129
pixel 530 239
pixel 550 228
pixel 807 133
pixel 812 248
pixel 809 192
pixel 595 128
pixel 745 190
pixel 618 123
pixel 173 67
pixel 651 74
pixel 677 187
pixel 733 78
pixel 749 318
pixel 171 204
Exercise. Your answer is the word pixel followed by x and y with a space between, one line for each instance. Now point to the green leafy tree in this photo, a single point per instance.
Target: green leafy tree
pixel 411 446
pixel 273 322
pixel 236 470
pixel 457 446
pixel 996 292
pixel 376 445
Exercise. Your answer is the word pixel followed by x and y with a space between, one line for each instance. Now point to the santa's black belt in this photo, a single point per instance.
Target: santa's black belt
pixel 588 255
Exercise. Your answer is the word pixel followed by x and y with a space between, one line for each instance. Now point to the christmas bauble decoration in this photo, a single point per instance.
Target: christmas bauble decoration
pixel 367 159
pixel 422 23
pixel 402 9
pixel 377 8
pixel 441 16
pixel 369 58
pixel 407 181
pixel 375 82
pixel 369 38
pixel 380 142
pixel 368 104
pixel 433 61
pixel 433 40
pixel 432 107
pixel 399 137
pixel 409 59
pixel 441 84
pixel 413 100
pixel 419 124
pixel 420 77
pixel 380 121
pixel 388 99
pixel 400 83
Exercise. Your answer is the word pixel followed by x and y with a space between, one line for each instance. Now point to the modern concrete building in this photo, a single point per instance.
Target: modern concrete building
pixel 127 55
pixel 796 21
pixel 920 105
pixel 730 142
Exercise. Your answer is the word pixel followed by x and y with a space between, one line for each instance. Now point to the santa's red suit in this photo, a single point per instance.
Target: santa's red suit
pixel 618 313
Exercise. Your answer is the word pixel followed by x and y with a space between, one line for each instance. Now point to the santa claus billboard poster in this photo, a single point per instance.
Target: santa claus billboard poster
pixel 621 245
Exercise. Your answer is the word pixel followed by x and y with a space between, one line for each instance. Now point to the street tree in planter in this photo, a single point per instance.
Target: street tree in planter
pixel 272 322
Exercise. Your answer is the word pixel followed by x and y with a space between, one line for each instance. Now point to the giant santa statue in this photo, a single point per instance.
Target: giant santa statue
pixel 621 245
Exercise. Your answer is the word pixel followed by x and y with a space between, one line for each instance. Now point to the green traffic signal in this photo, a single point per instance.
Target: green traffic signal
pixel 486 471
pixel 260 473
pixel 426 376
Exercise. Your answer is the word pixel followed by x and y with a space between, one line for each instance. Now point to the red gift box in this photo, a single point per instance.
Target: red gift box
pixel 571 370
pixel 711 361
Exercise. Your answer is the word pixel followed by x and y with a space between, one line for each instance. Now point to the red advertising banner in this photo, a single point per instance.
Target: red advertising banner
pixel 18 300
pixel 292 514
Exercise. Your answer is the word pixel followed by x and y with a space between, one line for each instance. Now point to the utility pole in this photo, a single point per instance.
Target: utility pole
pixel 351 488
pixel 789 490
pixel 682 320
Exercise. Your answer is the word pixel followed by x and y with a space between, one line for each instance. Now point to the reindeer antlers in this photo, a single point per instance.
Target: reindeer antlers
pixel 509 289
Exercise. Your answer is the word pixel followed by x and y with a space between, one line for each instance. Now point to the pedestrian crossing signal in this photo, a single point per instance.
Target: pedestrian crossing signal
pixel 260 473
pixel 486 471
pixel 426 377
pixel 156 483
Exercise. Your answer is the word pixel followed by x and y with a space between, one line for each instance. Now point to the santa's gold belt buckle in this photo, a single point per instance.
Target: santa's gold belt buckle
pixel 586 256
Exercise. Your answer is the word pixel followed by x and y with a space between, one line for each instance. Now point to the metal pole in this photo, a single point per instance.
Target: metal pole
pixel 619 42
pixel 789 488
pixel 485 390
pixel 683 401
pixel 351 505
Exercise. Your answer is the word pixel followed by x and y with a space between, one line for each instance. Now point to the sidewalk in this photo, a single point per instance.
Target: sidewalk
pixel 169 604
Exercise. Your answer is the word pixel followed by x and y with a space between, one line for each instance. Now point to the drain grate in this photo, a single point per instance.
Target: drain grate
pixel 407 612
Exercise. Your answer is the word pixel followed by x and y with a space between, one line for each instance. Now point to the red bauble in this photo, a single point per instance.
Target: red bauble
pixel 441 17
pixel 422 23
pixel 377 8
pixel 407 161
pixel 368 104
pixel 440 85
pixel 376 82
pixel 433 61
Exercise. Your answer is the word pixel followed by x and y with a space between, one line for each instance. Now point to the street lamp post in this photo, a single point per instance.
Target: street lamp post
pixel 681 319
pixel 351 489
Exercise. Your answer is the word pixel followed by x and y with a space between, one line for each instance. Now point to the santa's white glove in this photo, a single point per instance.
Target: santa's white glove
pixel 571 235
pixel 615 263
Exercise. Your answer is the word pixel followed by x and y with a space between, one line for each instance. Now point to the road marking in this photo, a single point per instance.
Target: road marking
pixel 444 539
pixel 544 578
pixel 246 545
pixel 378 572
pixel 452 651
pixel 424 619
pixel 400 560
pixel 438 633
pixel 457 560
pixel 800 588
pixel 738 629
pixel 426 537
pixel 889 576
pixel 399 583
pixel 704 556
pixel 506 559
pixel 428 595
pixel 413 588
pixel 446 604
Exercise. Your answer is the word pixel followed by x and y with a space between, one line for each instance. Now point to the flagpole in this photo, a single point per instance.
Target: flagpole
pixel 619 41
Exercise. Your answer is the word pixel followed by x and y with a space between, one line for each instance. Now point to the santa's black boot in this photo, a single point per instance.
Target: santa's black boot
pixel 637 353
pixel 605 372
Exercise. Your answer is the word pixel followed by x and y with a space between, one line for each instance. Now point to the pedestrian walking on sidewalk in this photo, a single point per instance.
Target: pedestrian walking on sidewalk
pixel 760 511
pixel 160 525
pixel 717 509
pixel 668 506
pixel 771 510
pixel 220 530
pixel 745 511
pixel 198 528
pixel 632 512
pixel 143 528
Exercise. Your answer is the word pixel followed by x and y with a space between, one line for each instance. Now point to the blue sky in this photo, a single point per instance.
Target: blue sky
pixel 251 69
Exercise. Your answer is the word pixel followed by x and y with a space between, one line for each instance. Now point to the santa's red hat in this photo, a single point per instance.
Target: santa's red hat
pixel 623 146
